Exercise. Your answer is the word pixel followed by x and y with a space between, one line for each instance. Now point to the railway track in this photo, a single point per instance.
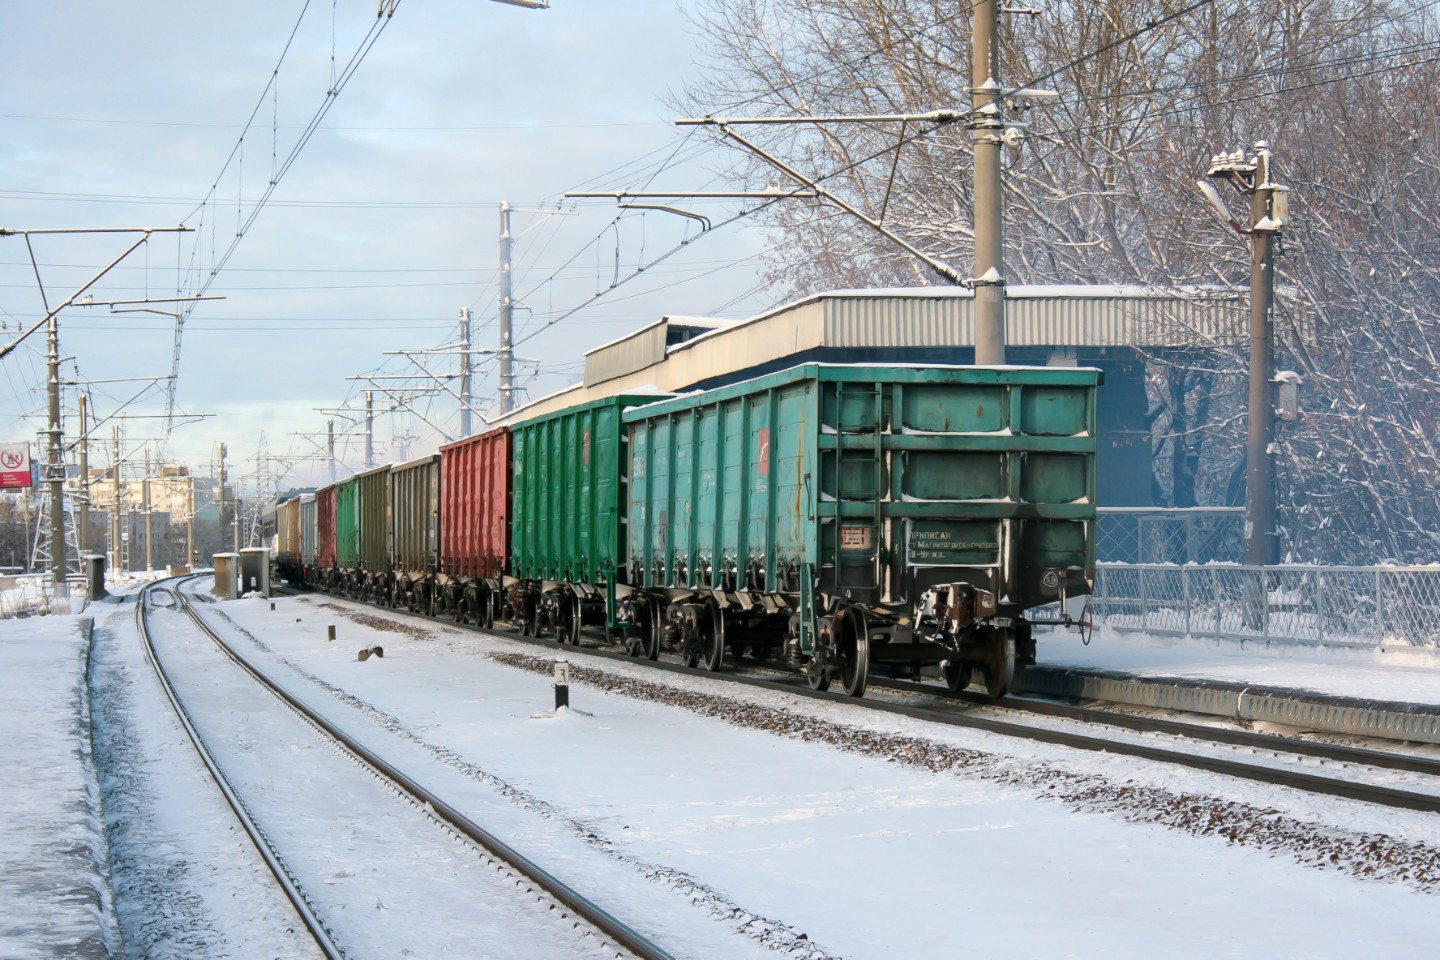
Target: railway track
pixel 533 888
pixel 1323 769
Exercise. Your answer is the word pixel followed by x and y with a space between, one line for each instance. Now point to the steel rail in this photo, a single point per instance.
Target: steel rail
pixel 319 932
pixel 624 935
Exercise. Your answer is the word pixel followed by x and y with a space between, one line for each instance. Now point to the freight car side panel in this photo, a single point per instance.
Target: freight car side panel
pixel 569 499
pixel 878 481
pixel 308 532
pixel 325 527
pixel 347 524
pixel 415 513
pixel 475 505
pixel 726 487
pixel 373 515
pixel 289 530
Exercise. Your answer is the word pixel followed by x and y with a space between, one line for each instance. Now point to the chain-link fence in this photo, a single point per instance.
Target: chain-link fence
pixel 1363 606
pixel 1161 535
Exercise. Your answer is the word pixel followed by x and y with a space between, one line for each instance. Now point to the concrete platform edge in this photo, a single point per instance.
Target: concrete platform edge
pixel 1418 723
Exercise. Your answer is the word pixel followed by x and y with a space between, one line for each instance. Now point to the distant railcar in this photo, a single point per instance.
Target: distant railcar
pixel 415 532
pixel 474 527
pixel 863 514
pixel 307 538
pixel 286 551
pixel 567 540
pixel 363 532
pixel 324 575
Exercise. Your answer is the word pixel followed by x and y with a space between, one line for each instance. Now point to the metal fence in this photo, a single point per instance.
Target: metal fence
pixel 1167 535
pixel 1360 606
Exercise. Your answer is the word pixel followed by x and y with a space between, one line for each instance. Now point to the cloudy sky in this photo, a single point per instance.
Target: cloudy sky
pixel 382 224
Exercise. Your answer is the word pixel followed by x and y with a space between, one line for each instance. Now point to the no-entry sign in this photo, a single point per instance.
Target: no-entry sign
pixel 14 465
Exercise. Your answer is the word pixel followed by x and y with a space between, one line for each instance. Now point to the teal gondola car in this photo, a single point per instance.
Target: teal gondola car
pixel 859 515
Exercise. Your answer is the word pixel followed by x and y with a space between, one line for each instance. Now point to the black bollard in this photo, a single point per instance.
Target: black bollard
pixel 562 684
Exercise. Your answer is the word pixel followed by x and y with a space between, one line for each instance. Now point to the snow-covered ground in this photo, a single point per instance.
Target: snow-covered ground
pixel 730 822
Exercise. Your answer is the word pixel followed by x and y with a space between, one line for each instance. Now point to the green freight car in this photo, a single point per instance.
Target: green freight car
pixel 362 534
pixel 859 515
pixel 567 534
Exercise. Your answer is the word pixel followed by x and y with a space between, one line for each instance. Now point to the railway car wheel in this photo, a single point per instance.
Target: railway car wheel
pixel 957 675
pixel 852 643
pixel 572 626
pixel 656 631
pixel 999 662
pixel 712 637
pixel 487 610
pixel 817 675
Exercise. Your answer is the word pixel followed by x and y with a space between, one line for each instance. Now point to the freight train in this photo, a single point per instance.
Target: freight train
pixel 842 518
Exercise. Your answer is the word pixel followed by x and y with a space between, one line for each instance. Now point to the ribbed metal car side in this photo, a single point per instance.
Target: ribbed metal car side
pixel 347 525
pixel 325 536
pixel 373 540
pixel 474 527
pixel 415 522
pixel 475 505
pixel 917 502
pixel 569 509
pixel 308 531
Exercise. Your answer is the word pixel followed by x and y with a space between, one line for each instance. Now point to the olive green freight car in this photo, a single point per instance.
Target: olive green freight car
pixel 567 544
pixel 863 514
pixel 362 534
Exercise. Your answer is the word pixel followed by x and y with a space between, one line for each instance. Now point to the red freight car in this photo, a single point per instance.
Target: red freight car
pixel 474 526
pixel 324 570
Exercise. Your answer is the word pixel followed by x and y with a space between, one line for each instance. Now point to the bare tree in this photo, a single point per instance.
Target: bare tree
pixel 1103 192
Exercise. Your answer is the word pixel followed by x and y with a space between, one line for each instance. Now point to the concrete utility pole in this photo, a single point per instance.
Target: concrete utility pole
pixel 369 429
pixel 507 312
pixel 330 446
pixel 115 507
pixel 55 466
pixel 987 131
pixel 465 319
pixel 1269 211
pixel 149 530
pixel 83 536
pixel 220 457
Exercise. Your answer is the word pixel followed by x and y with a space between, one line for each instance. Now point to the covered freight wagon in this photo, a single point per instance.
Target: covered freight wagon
pixel 568 546
pixel 324 574
pixel 863 514
pixel 287 540
pixel 308 536
pixel 362 534
pixel 415 525
pixel 474 526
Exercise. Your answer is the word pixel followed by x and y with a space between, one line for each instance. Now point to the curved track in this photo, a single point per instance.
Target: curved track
pixel 624 936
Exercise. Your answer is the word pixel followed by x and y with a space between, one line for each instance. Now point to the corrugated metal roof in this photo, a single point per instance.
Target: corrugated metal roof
pixel 1038 316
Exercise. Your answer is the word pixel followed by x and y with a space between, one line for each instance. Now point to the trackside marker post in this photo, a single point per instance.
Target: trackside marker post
pixel 562 684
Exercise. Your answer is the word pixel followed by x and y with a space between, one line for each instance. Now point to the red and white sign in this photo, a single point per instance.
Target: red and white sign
pixel 14 465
